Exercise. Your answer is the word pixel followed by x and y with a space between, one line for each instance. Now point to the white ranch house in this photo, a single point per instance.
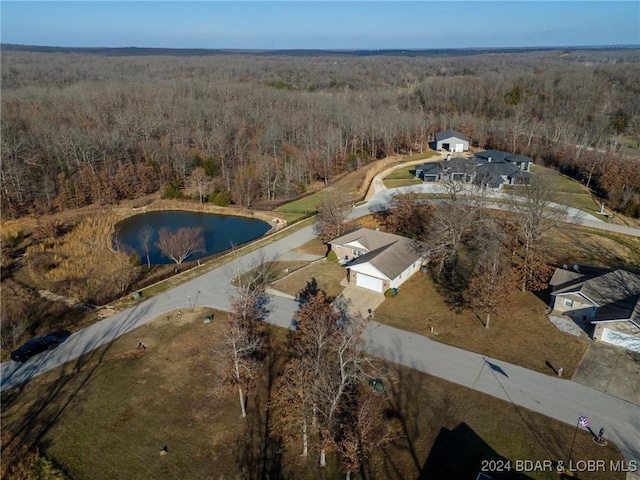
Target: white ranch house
pixel 377 260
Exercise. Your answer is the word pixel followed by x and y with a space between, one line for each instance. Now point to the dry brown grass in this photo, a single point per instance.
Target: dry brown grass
pixel 82 263
pixel 521 334
pixel 326 275
pixel 569 245
pixel 108 414
pixel 313 247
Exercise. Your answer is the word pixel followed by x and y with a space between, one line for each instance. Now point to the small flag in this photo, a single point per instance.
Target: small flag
pixel 584 421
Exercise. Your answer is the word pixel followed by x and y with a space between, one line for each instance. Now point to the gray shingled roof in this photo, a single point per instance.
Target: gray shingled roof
pixel 450 133
pixel 389 253
pixel 498 156
pixel 371 239
pixel 392 259
pixel 564 276
pixel 617 292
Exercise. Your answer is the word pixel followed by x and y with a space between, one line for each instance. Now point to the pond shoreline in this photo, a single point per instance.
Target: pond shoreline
pixel 217 232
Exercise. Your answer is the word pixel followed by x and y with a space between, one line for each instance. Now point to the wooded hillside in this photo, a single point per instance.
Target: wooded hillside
pixel 81 128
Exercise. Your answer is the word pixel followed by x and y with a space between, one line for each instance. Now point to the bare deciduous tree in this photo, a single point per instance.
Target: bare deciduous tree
pixel 332 215
pixel 492 280
pixel 181 244
pixel 535 213
pixel 201 182
pixel 245 337
pixel 144 238
pixel 409 216
pixel 451 222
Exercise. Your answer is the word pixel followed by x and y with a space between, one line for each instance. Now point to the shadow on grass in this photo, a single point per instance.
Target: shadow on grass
pixel 451 286
pixel 259 455
pixel 462 453
pixel 310 289
pixel 28 433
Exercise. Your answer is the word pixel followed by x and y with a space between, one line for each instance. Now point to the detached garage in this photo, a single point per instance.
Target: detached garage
pixel 452 141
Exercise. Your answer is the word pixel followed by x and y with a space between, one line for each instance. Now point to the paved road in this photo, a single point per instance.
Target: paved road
pixel 563 400
pixel 560 399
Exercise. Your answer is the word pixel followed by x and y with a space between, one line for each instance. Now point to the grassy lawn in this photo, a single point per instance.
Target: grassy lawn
pixel 393 183
pixel 521 334
pixel 573 244
pixel 313 247
pixel 568 191
pixel 326 274
pixel 302 207
pixel 108 414
pixel 402 174
pixel 421 156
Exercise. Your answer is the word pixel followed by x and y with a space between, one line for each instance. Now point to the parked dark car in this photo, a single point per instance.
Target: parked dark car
pixel 39 345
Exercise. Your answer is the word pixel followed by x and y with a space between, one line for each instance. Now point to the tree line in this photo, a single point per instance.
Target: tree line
pixel 253 130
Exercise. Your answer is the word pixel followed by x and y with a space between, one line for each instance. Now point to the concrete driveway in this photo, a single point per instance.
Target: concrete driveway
pixel 611 370
pixel 358 300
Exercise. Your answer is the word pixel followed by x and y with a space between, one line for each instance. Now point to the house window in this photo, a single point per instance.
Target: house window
pixel 568 302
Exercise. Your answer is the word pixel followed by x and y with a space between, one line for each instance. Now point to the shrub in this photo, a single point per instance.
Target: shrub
pixel 222 199
pixel 331 256
pixel 172 190
pixel 390 293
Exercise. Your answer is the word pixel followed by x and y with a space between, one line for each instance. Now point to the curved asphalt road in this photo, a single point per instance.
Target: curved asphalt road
pixel 563 400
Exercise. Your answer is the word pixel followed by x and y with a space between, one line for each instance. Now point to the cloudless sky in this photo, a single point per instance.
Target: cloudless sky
pixel 321 25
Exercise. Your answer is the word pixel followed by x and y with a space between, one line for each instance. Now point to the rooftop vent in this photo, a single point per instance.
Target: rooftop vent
pixel 576 267
pixel 489 160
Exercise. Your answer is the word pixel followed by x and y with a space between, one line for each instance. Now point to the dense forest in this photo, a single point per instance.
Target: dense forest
pixel 83 128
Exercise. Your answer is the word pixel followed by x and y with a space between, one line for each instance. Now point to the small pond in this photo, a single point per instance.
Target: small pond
pixel 220 232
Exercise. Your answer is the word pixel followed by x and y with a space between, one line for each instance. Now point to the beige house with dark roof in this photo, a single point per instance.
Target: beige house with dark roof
pixel 609 299
pixel 377 260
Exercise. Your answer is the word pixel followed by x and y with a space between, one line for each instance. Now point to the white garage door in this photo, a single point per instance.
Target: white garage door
pixel 621 340
pixel 459 147
pixel 371 283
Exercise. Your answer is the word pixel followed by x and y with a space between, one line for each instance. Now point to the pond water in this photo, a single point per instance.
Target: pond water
pixel 220 232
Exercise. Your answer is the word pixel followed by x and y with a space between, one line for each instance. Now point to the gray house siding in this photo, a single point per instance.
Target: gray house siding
pixel 451 142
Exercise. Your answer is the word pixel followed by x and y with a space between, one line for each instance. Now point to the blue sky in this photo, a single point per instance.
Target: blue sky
pixel 321 25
